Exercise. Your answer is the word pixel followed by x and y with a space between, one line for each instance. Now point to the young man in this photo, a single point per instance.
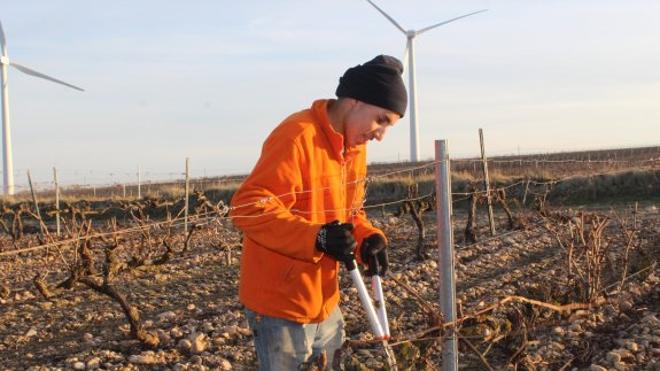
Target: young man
pixel 301 214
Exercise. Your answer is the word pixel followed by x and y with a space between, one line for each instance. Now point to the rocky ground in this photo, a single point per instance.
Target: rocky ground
pixel 191 303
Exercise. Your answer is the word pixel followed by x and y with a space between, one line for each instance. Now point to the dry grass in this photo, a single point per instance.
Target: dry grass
pixel 632 172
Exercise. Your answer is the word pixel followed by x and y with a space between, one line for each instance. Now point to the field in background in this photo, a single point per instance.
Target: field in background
pixel 503 170
pixel 132 284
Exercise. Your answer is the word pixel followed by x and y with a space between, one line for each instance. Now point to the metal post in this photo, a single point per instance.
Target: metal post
pixel 446 251
pixel 139 185
pixel 484 162
pixel 57 202
pixel 123 190
pixel 94 191
pixel 185 217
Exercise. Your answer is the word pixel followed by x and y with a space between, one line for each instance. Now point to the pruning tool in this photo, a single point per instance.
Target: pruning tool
pixel 376 311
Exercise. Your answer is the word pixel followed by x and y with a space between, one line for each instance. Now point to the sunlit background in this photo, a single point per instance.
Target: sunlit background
pixel 210 79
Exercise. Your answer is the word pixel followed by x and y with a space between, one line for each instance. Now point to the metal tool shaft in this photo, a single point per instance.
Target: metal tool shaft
pixel 379 298
pixel 366 303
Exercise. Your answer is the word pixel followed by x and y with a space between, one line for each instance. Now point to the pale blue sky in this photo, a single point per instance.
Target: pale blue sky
pixel 210 79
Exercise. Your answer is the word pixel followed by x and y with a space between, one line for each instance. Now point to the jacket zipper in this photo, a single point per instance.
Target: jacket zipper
pixel 344 187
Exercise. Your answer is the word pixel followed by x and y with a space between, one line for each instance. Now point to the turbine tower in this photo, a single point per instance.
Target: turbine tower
pixel 7 161
pixel 409 55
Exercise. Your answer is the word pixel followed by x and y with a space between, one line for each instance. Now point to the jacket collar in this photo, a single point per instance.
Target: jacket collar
pixel 336 140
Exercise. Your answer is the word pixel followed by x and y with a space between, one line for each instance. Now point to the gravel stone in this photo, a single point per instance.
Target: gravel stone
pixel 185 345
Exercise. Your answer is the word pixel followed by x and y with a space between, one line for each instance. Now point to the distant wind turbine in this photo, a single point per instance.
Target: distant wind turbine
pixel 409 57
pixel 7 161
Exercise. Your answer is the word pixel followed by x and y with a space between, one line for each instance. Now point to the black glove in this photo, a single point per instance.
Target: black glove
pixel 374 254
pixel 336 240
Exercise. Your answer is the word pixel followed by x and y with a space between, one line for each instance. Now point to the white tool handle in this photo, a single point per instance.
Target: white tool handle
pixel 366 302
pixel 377 288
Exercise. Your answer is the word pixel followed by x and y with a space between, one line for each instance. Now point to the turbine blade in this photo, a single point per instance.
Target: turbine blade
pixel 387 16
pixel 41 75
pixel 2 38
pixel 447 21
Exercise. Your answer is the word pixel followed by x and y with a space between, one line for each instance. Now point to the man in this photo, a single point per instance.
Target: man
pixel 301 214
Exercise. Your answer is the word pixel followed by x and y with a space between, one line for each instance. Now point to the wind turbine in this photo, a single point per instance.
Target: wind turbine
pixel 409 57
pixel 7 161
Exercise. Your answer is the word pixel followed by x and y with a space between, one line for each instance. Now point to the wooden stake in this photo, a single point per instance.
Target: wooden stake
pixel 185 218
pixel 526 190
pixel 57 202
pixel 34 195
pixel 34 200
pixel 139 185
pixel 484 162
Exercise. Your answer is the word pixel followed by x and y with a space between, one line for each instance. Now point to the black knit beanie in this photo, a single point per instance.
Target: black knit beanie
pixel 376 82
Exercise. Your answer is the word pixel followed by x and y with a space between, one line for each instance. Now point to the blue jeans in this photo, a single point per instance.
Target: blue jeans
pixel 283 345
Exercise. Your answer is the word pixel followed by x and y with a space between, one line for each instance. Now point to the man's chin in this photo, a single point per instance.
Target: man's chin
pixel 357 142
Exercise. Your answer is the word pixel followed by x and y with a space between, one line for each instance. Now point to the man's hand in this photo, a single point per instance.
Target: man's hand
pixel 374 254
pixel 336 240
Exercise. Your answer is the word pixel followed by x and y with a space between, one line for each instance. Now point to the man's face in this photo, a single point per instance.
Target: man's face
pixel 365 122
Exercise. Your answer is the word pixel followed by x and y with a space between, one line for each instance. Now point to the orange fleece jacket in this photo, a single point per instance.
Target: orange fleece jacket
pixel 302 180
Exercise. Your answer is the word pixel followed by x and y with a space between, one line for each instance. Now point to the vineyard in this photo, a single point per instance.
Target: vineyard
pixel 568 280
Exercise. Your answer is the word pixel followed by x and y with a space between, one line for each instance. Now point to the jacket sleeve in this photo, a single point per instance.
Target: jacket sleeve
pixel 261 207
pixel 363 229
